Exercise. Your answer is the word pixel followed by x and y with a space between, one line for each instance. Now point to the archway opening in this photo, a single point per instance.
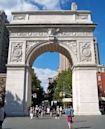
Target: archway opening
pixel 64 55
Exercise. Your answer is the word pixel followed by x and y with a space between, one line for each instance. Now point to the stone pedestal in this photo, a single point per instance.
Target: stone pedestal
pixel 15 91
pixel 85 93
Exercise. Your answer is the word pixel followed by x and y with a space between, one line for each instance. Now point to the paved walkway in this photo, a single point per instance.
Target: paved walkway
pixel 82 122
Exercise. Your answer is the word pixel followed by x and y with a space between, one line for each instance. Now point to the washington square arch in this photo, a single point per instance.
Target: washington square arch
pixel 67 32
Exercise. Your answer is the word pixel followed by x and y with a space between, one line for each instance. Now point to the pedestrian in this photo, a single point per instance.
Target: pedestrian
pixel 60 110
pixel 37 111
pixel 31 112
pixel 57 112
pixel 1 115
pixel 51 111
pixel 42 111
pixel 69 114
pixel 48 110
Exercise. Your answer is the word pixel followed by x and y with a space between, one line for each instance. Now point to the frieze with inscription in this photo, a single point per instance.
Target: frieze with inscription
pixel 75 34
pixel 29 34
pixel 46 34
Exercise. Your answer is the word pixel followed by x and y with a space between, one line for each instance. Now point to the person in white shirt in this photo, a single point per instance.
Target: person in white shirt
pixel 31 112
pixel 60 109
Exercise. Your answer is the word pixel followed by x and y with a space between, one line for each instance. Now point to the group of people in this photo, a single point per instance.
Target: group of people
pixel 42 111
pixel 34 111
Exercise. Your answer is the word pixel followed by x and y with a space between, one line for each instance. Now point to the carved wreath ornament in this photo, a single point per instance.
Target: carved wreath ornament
pixel 85 52
pixel 16 52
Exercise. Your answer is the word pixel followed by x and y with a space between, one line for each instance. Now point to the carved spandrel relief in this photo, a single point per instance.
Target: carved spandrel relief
pixel 72 45
pixel 16 52
pixel 29 44
pixel 85 52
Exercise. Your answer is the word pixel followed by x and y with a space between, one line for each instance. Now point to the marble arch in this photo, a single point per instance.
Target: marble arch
pixel 68 32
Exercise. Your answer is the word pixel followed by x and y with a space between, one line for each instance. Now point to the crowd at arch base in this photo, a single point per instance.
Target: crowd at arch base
pixel 52 111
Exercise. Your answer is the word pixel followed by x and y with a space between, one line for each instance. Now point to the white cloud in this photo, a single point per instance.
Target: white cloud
pixel 22 5
pixel 15 5
pixel 46 4
pixel 28 5
pixel 43 75
pixel 8 3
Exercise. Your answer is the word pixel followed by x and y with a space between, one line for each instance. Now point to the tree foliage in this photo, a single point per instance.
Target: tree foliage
pixel 37 89
pixel 63 85
pixel 50 89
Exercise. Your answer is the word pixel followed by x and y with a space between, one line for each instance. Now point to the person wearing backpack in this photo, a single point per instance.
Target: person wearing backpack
pixel 69 114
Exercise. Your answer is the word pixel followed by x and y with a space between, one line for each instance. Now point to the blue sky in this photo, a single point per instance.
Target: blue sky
pixel 47 60
pixel 50 61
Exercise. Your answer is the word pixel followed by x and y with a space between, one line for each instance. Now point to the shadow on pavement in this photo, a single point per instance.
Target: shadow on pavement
pixel 6 128
pixel 42 118
pixel 80 121
pixel 84 127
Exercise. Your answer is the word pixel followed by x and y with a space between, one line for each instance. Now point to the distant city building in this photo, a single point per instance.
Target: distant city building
pixel 96 49
pixel 64 63
pixel 101 80
pixel 4 42
pixel 101 68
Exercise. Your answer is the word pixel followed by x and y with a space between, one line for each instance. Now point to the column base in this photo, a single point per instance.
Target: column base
pixel 87 113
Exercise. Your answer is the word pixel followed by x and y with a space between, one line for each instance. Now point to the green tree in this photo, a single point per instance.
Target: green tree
pixel 50 90
pixel 63 85
pixel 37 90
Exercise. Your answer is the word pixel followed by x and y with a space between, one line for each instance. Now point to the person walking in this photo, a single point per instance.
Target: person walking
pixel 60 109
pixel 37 111
pixel 31 112
pixel 1 115
pixel 69 114
pixel 57 112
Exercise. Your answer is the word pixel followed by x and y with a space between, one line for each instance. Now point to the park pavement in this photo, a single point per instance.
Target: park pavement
pixel 79 122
